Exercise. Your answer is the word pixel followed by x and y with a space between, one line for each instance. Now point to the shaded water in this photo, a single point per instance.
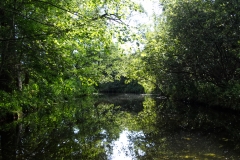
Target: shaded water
pixel 123 127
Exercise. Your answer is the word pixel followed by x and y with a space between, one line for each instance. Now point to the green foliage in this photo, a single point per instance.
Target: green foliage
pixel 120 86
pixel 56 49
pixel 194 51
pixel 132 67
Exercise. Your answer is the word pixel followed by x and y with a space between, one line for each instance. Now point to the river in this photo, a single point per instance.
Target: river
pixel 123 127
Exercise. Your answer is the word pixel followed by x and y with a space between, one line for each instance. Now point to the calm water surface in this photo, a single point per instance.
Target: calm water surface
pixel 123 127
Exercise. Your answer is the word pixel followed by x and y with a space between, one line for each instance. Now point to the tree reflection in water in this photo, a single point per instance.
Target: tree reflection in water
pixel 123 127
pixel 123 148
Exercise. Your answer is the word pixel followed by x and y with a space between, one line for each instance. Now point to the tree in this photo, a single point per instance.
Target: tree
pixel 54 47
pixel 196 46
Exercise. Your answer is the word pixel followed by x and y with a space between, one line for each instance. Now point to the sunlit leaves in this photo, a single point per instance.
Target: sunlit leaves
pixel 61 45
pixel 192 48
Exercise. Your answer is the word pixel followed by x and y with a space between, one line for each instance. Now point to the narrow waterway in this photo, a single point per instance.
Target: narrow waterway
pixel 123 127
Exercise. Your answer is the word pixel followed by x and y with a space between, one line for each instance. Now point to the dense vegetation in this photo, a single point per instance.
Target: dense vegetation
pixel 53 53
pixel 52 50
pixel 121 86
pixel 193 52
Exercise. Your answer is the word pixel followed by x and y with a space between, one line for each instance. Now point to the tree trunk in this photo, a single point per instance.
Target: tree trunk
pixel 10 67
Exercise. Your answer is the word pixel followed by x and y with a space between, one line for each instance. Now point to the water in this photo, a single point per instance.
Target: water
pixel 123 127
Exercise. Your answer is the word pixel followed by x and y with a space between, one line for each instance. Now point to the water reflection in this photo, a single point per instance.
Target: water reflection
pixel 123 148
pixel 123 127
pixel 191 132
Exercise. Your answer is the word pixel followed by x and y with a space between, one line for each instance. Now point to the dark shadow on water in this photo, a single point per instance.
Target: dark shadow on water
pixel 192 132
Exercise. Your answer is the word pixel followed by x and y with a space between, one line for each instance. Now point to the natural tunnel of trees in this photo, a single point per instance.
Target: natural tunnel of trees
pixel 52 50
